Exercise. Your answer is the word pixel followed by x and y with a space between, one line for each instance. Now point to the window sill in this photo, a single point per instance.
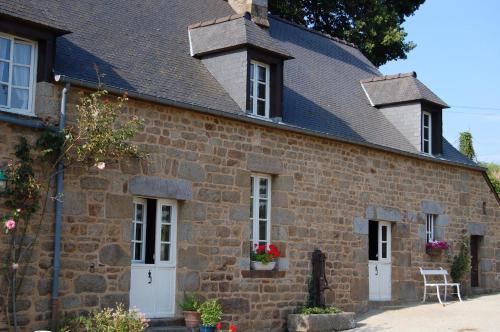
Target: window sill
pixel 262 274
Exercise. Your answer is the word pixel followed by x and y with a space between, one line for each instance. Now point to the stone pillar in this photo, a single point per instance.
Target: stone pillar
pixel 257 8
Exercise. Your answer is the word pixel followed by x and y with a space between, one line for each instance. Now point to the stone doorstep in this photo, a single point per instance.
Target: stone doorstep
pixel 164 322
pixel 321 323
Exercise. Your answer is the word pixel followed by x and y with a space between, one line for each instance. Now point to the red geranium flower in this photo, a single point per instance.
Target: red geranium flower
pixel 232 328
pixel 218 326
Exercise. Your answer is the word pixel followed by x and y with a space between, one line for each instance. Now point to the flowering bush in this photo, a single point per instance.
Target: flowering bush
pixel 232 328
pixel 437 245
pixel 264 254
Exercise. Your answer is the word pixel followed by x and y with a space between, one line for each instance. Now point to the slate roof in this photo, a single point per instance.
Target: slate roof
pixel 400 88
pixel 231 32
pixel 143 47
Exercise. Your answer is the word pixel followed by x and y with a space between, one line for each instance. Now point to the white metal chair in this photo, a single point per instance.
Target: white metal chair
pixel 445 284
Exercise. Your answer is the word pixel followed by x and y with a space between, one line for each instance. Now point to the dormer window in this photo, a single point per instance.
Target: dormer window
pixel 426 133
pixel 17 74
pixel 259 88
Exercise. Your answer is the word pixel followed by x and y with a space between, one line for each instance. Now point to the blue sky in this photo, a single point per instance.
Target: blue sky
pixel 458 57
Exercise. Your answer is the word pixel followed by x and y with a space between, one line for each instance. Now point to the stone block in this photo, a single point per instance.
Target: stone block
pixel 193 211
pixel 114 255
pixel 112 300
pixel 388 214
pixel 209 195
pixel 191 259
pixel 189 282
pixel 370 212
pixel 70 302
pixel 153 186
pixel 477 229
pixel 93 183
pixel 119 206
pixel 411 216
pixel 74 203
pixel 283 183
pixel 442 220
pixel 191 171
pixel 92 283
pixel 360 226
pixel 486 265
pixel 283 264
pixel 239 212
pixel 281 216
pixel 321 323
pixel 431 207
pixel 264 164
pixel 124 281
pixel 235 305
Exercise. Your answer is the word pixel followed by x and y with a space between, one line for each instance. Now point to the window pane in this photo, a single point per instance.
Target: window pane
pixel 165 214
pixel 426 120
pixel 137 251
pixel 261 107
pixel 22 54
pixel 384 250
pixel 139 212
pixel 251 185
pixel 19 99
pixel 262 91
pixel 138 232
pixel 262 209
pixel 165 233
pixel 251 89
pixel 165 252
pixel 4 48
pixel 262 74
pixel 426 134
pixel 21 76
pixel 252 69
pixel 426 146
pixel 4 90
pixel 262 230
pixel 263 188
pixel 384 233
pixel 4 71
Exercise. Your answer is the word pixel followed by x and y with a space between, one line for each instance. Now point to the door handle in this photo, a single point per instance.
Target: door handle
pixel 376 270
pixel 150 277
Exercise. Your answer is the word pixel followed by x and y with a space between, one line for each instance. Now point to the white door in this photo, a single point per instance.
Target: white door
pixel 379 269
pixel 152 286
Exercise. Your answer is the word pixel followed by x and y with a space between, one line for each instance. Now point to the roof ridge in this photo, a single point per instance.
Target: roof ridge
pixel 219 20
pixel 322 34
pixel 389 77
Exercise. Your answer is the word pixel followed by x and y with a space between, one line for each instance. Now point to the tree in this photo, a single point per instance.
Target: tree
pixel 375 26
pixel 493 171
pixel 466 146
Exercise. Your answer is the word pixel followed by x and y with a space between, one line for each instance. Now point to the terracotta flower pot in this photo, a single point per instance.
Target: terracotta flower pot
pixel 192 318
pixel 434 251
pixel 261 266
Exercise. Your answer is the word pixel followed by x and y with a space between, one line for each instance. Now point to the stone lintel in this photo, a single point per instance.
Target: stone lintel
pixel 477 229
pixel 153 186
pixel 383 214
pixel 431 207
pixel 264 164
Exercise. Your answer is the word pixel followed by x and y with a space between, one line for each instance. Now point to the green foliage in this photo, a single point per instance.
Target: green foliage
pixel 107 320
pixel 493 171
pixel 99 136
pixel 211 312
pixel 461 264
pixel 318 310
pixel 466 145
pixel 190 303
pixel 375 26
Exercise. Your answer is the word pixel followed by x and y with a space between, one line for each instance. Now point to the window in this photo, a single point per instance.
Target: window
pixel 17 71
pixel 429 229
pixel 259 88
pixel 165 232
pixel 139 230
pixel 260 209
pixel 426 133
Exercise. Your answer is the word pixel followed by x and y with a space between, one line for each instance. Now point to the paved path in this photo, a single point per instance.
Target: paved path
pixel 481 314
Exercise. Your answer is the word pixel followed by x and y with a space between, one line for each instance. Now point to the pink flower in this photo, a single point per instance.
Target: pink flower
pixel 101 165
pixel 10 224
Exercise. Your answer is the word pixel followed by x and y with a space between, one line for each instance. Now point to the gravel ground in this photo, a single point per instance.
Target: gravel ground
pixel 473 315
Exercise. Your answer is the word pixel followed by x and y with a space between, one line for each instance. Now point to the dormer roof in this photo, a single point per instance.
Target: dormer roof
pixel 399 88
pixel 232 32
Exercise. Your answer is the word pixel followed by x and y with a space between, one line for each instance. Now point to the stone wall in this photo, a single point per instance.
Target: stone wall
pixel 323 194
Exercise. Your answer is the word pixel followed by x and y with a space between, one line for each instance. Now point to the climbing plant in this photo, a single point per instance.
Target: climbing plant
pixel 461 264
pixel 97 136
pixel 466 146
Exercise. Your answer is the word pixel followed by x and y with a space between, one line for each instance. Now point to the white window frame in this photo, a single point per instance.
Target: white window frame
pixel 173 233
pixel 144 222
pixel 429 128
pixel 33 70
pixel 254 218
pixel 430 224
pixel 255 83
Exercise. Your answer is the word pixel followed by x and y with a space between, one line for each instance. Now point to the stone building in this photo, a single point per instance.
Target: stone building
pixel 257 131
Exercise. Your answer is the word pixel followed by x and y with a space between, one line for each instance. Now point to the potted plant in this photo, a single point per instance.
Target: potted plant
pixel 317 318
pixel 263 257
pixel 190 307
pixel 211 312
pixel 435 248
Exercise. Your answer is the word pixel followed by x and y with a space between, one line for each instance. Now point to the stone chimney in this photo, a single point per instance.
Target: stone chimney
pixel 256 8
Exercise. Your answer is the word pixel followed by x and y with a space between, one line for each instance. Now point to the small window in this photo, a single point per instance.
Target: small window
pixel 426 133
pixel 429 229
pixel 139 230
pixel 259 88
pixel 260 209
pixel 17 72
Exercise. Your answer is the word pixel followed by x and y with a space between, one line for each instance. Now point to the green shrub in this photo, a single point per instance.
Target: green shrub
pixel 319 310
pixel 190 303
pixel 461 264
pixel 211 312
pixel 107 320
